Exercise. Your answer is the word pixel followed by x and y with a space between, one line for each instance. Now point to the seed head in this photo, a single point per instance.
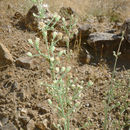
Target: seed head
pixel 41 25
pixel 57 17
pixel 68 68
pixel 29 54
pixel 66 38
pixel 59 35
pixel 62 69
pixel 52 59
pixel 57 69
pixel 45 5
pixel 54 35
pixel 75 31
pixel 49 101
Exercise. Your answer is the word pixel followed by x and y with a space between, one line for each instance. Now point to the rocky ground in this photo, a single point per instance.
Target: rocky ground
pixel 23 102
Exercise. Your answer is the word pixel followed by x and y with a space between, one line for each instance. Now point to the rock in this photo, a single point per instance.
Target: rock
pixel 32 113
pixel 24 62
pixel 84 30
pixel 43 110
pixel 102 37
pixel 23 111
pixel 95 114
pixel 66 12
pixel 126 28
pixel 103 44
pixel 9 126
pixel 14 86
pixel 88 105
pixel 4 120
pixel 5 56
pixel 42 125
pixel 29 21
pixel 24 119
pixel 125 58
pixel 77 129
pixel 30 125
pixel 21 94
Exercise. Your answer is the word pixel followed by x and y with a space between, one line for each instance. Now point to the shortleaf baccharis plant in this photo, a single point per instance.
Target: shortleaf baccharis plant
pixel 65 91
pixel 110 96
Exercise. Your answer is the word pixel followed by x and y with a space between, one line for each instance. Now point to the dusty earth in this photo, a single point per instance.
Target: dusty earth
pixel 23 103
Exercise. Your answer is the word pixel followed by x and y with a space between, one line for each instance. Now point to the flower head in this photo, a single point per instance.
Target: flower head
pixel 62 69
pixel 49 101
pixel 57 69
pixel 66 38
pixel 68 68
pixel 62 52
pixel 75 31
pixel 90 83
pixel 29 54
pixel 57 17
pixel 45 5
pixel 52 59
pixel 30 41
pixel 41 25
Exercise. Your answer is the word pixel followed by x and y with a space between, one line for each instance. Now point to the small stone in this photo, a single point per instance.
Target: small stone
pixel 88 105
pixel 23 111
pixel 5 56
pixel 43 110
pixel 30 125
pixel 48 72
pixel 95 114
pixel 24 62
pixel 24 119
pixel 21 95
pixel 32 113
pixel 42 125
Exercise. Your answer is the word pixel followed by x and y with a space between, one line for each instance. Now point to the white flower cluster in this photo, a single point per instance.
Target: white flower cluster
pixel 63 69
pixel 57 35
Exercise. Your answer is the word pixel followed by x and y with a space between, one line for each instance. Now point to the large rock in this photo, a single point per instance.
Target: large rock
pixel 5 56
pixel 103 44
pixel 126 28
pixel 100 40
pixel 103 37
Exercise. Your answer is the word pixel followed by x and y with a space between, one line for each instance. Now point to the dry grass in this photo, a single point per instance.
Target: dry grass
pixel 116 8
